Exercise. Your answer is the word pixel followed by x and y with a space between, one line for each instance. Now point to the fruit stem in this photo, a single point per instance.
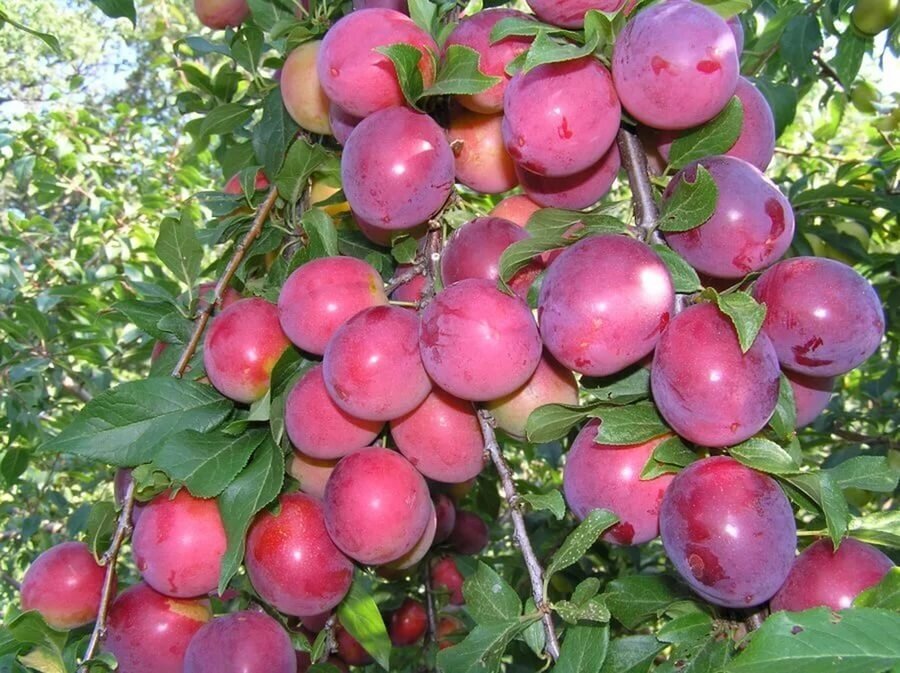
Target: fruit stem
pixel 535 571
pixel 123 529
pixel 262 214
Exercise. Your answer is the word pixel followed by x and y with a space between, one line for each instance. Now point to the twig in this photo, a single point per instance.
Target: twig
pixel 329 639
pixel 262 214
pixel 123 528
pixel 826 69
pixel 535 571
pixel 416 270
pixel 432 260
pixel 431 632
pixel 75 389
pixel 634 160
pixel 10 580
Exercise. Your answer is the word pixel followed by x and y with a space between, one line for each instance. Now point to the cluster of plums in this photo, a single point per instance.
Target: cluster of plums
pixel 384 419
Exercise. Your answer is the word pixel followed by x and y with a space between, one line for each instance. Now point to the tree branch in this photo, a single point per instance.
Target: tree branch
pixel 634 160
pixel 123 528
pixel 431 632
pixel 431 259
pixel 535 571
pixel 416 270
pixel 262 214
pixel 75 389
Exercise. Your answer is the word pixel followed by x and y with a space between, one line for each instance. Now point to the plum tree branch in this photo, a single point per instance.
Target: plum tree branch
pixel 634 160
pixel 123 529
pixel 262 214
pixel 416 270
pixel 431 259
pixel 535 571
pixel 431 632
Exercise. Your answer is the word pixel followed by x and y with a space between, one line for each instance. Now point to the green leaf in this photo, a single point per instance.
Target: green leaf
pixel 117 9
pixel 287 371
pixel 48 39
pixel 553 421
pixel 871 473
pixel 727 8
pixel 301 161
pixel 670 455
pixel 225 118
pixel 256 486
pixel 707 656
pixel 319 228
pixel 801 39
pixel 784 420
pixel 631 424
pixel 30 629
pixel 482 649
pixel 631 654
pixel 684 278
pixel 405 250
pixel 635 598
pixel 782 98
pixel 885 594
pixel 862 640
pixel 851 49
pixel 583 650
pixel 547 49
pixel 580 540
pixel 881 528
pixel 206 462
pixel 125 425
pixel 359 614
pixel 551 501
pixel 459 74
pixel 692 202
pixel 556 223
pixel 179 249
pixel 746 314
pixel 623 387
pixel 406 59
pixel 526 27
pixel 764 455
pixel 716 136
pixel 101 525
pixel 583 608
pixel 273 133
pixel 688 628
pixel 424 13
pixel 834 506
pixel 489 598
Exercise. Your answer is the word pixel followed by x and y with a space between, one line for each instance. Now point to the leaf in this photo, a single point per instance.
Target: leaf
pixel 178 247
pixel 784 420
pixel 583 608
pixel 871 473
pixel 631 424
pixel 225 119
pixel 583 650
pixel 553 421
pixel 145 314
pixel 48 39
pixel 302 159
pixel 782 98
pixel 716 136
pixel 482 649
pixel 834 506
pixel 287 371
pixel 319 228
pixel 30 629
pixel 707 656
pixel 862 640
pixel 764 455
pixel 406 59
pixel 551 501
pixel 691 203
pixel 424 13
pixel 684 278
pixel 885 594
pixel 459 74
pixel 669 456
pixel 359 614
pixel 881 528
pixel 489 598
pixel 125 425
pixel 101 525
pixel 526 27
pixel 580 540
pixel 634 598
pixel 546 49
pixel 624 387
pixel 727 8
pixel 801 39
pixel 556 222
pixel 117 9
pixel 273 133
pixel 851 49
pixel 206 462
pixel 747 315
pixel 631 654
pixel 689 628
pixel 256 486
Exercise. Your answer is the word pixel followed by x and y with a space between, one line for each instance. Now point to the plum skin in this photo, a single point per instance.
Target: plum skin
pixel 470 534
pixel 292 562
pixel 576 191
pixel 179 543
pixel 729 531
pixel 312 473
pixel 64 584
pixel 408 623
pixel 445 576
pixel 601 476
pixel 482 162
pixel 570 13
pixel 301 92
pixel 246 641
pixel 811 396
pixel 517 209
pixel 218 14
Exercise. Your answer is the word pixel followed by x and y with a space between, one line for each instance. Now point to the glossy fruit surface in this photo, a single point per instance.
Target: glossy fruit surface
pixel 482 162
pixel 570 13
pixel 576 191
pixel 301 92
pixel 408 623
pixel 218 14
pixel 811 395
pixel 517 208
pixel 447 578
pixel 312 473
pixel 241 642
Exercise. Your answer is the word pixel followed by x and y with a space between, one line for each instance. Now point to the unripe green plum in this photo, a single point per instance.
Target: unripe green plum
pixel 870 17
pixel 303 96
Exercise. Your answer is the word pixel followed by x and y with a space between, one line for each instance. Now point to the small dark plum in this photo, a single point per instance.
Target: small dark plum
pixel 349 649
pixel 445 577
pixel 446 516
pixel 408 623
pixel 449 631
pixel 811 395
pixel 470 534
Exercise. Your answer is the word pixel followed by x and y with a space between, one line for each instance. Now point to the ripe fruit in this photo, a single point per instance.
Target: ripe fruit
pixel 417 553
pixel 441 438
pixel 551 383
pixel 470 534
pixel 823 318
pixel 149 633
pixel 372 368
pixel 822 577
pixel 241 347
pixel 751 228
pixel 811 396
pixel 603 304
pixel 870 17
pixel 292 562
pixel 349 649
pixel 322 295
pixel 64 584
pixel 397 168
pixel 493 57
pixel 217 14
pixel 729 531
pixel 570 13
pixel 666 81
pixel 354 74
pixel 318 427
pixel 560 118
pixel 445 512
pixel 342 123
pixel 576 191
pixel 482 162
pixel 600 476
pixel 386 237
pixel 408 623
pixel 303 97
pixel 708 391
pixel 233 187
pixel 517 208
pixel 411 290
pixel 179 543
pixel 396 5
pixel 312 473
pixel 737 29
pixel 478 343
pixel 376 506
pixel 449 632
pixel 445 577
pixel 474 251
pixel 241 642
